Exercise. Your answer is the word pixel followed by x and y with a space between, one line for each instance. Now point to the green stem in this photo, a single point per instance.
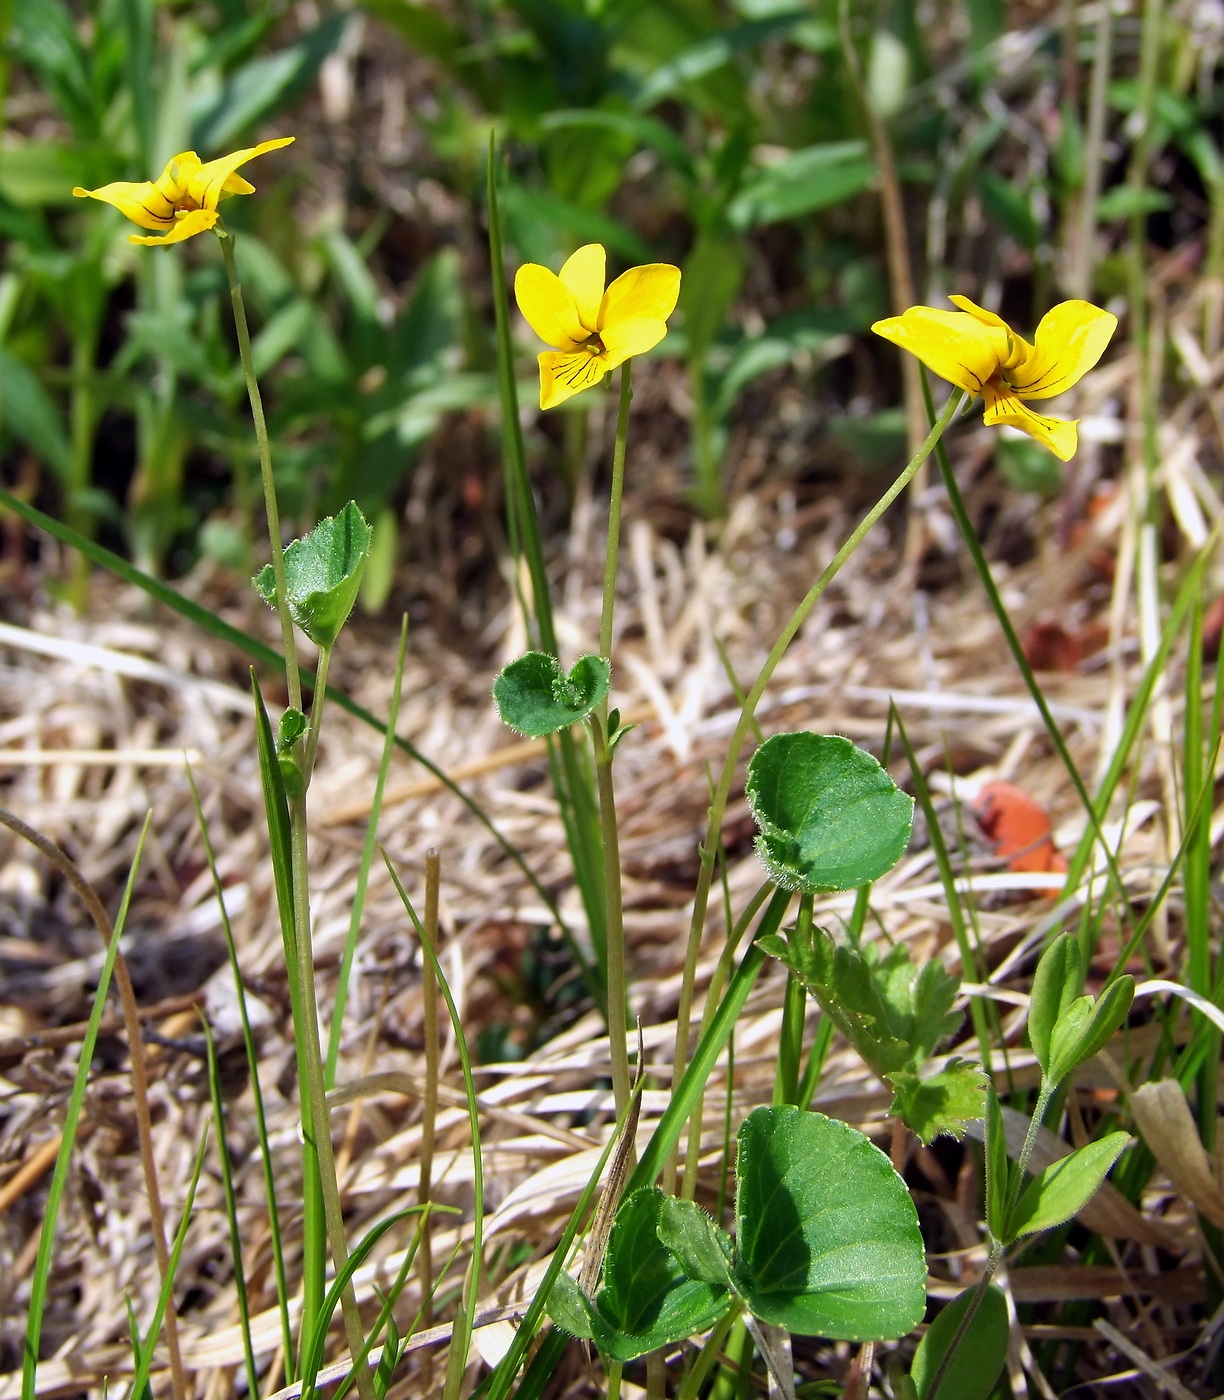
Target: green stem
pixel 319 698
pixel 612 551
pixel 723 792
pixel 265 465
pixel 794 1007
pixel 614 923
pixel 618 1000
pixel 310 1052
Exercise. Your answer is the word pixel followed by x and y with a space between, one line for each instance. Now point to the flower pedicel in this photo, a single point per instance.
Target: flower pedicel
pixel 183 200
pixel 980 353
pixel 593 330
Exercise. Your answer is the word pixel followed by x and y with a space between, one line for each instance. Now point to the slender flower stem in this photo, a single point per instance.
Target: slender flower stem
pixel 612 552
pixel 747 713
pixel 310 1051
pixel 618 998
pixel 265 465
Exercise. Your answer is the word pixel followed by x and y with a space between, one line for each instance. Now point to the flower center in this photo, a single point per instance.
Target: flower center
pixel 593 345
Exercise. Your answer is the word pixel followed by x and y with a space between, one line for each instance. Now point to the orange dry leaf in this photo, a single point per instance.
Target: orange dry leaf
pixel 1019 827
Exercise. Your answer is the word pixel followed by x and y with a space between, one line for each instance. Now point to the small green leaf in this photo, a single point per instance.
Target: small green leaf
pixel 647 1300
pixel 290 729
pixel 1107 1014
pixel 322 574
pixel 704 1251
pixel 536 697
pixel 826 1233
pixel 830 817
pixel 1055 1194
pixel 1057 983
pixel 998 1172
pixel 568 1307
pixel 980 1353
pixel 943 1102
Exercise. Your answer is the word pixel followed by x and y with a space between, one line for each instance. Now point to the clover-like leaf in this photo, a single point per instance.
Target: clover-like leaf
pixel 322 574
pixel 647 1299
pixel 943 1102
pixel 980 1353
pixel 830 817
pixel 536 697
pixel 827 1240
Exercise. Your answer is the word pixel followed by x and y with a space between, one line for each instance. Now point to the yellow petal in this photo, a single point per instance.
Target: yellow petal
pixel 1070 339
pixel 215 178
pixel 142 203
pixel 649 292
pixel 187 226
pixel 632 337
pixel 583 274
pixel 548 307
pixel 953 344
pixel 1018 349
pixel 979 313
pixel 1059 435
pixel 562 376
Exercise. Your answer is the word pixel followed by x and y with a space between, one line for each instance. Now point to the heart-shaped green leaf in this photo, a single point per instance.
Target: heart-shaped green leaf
pixel 972 1371
pixel 647 1300
pixel 536 697
pixel 830 817
pixel 322 574
pixel 827 1240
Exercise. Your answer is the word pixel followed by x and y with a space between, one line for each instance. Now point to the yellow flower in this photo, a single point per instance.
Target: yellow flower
pixel 979 352
pixel 183 199
pixel 594 330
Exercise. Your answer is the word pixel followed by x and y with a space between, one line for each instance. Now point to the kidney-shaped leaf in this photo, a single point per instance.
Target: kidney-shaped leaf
pixel 830 817
pixel 827 1240
pixel 647 1300
pixel 536 697
pixel 322 574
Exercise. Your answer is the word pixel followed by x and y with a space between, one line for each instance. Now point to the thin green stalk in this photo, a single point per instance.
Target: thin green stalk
pixel 433 1061
pixel 311 747
pixel 612 551
pixel 231 1210
pixel 310 1053
pixel 722 972
pixel 794 1010
pixel 461 1334
pixel 261 1121
pixel 614 922
pixel 747 714
pixel 288 641
pixel 367 857
pixel 618 998
pixel 615 1369
pixel 956 914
